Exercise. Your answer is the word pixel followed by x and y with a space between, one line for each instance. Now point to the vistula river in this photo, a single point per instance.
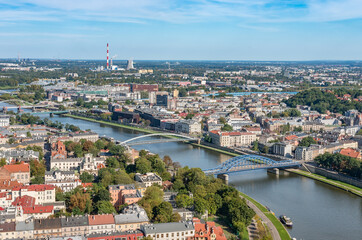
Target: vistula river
pixel 318 211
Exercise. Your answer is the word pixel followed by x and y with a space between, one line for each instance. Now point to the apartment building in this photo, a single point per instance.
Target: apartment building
pixel 122 194
pixel 169 231
pixel 74 226
pixel 132 218
pixel 42 193
pixel 232 139
pixel 16 172
pixel 188 126
pixel 101 223
pixel 46 228
pixel 148 179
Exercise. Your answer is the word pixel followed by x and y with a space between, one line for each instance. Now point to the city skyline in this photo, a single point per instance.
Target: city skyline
pixel 265 30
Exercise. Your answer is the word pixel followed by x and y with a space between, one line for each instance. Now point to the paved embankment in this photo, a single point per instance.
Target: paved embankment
pixel 277 230
pixel 341 185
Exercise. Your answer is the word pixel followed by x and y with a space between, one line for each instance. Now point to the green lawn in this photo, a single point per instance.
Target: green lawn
pixel 284 235
pixel 339 184
pixel 216 149
pixel 112 124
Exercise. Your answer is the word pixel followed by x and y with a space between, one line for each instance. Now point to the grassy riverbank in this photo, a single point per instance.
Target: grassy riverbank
pixel 111 124
pixel 8 87
pixel 215 149
pixel 146 131
pixel 283 233
pixel 278 225
pixel 341 185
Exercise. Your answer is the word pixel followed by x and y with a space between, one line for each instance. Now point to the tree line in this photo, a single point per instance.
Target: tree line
pixel 340 163
pixel 323 101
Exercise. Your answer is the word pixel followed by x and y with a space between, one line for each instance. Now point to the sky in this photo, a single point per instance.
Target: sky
pixel 182 29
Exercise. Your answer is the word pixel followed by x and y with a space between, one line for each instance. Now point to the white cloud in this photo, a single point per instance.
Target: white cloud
pixel 176 11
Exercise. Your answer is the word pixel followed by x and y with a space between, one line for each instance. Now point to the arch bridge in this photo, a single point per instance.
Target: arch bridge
pixel 249 162
pixel 169 137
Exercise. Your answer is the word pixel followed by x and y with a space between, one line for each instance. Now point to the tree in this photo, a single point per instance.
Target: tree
pixel 175 217
pixel 86 177
pixel 266 149
pixel 163 212
pixel 307 141
pixel 167 160
pixel 78 150
pixel 37 180
pixel 121 177
pixel 183 201
pixel 37 168
pixel 227 128
pixel 255 146
pixel 88 145
pixel 116 150
pixel 143 165
pixel 200 205
pixel 189 116
pixel 80 202
pixel 100 144
pixel 28 134
pixel 105 207
pixel 2 162
pixel 222 120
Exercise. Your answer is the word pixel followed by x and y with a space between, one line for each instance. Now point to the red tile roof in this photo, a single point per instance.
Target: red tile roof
pixel 38 209
pixel 35 187
pixel 24 201
pixel 350 153
pixel 8 185
pixel 204 230
pixel 101 219
pixel 22 167
pixel 290 137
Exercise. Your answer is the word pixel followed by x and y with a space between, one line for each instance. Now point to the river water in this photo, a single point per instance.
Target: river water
pixel 318 211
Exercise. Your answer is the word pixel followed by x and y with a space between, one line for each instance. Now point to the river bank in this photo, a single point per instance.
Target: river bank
pixel 341 185
pixel 111 124
pixel 146 131
pixel 301 198
pixel 274 221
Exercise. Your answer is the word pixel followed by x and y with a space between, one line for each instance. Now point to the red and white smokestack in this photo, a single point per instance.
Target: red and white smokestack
pixel 107 56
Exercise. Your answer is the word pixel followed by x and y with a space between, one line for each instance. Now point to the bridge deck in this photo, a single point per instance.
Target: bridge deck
pixel 248 163
pixel 165 140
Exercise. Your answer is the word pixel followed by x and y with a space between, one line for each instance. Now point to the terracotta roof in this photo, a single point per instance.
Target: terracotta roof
pixel 22 167
pixel 350 152
pixel 24 201
pixel 85 185
pixel 204 230
pixel 101 219
pixel 291 137
pixel 38 209
pixel 35 187
pixel 252 128
pixel 8 185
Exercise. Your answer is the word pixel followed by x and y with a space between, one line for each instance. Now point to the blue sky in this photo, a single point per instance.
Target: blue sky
pixel 182 29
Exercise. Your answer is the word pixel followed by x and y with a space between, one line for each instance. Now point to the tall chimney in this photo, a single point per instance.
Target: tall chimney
pixel 107 56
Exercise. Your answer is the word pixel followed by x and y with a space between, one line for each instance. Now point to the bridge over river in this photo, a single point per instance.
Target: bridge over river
pixel 244 163
pixel 169 137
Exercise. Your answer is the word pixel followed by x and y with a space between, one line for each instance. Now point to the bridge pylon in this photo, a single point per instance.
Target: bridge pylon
pixel 224 178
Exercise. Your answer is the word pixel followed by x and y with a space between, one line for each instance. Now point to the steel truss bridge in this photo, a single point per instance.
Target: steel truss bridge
pixel 169 137
pixel 249 162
